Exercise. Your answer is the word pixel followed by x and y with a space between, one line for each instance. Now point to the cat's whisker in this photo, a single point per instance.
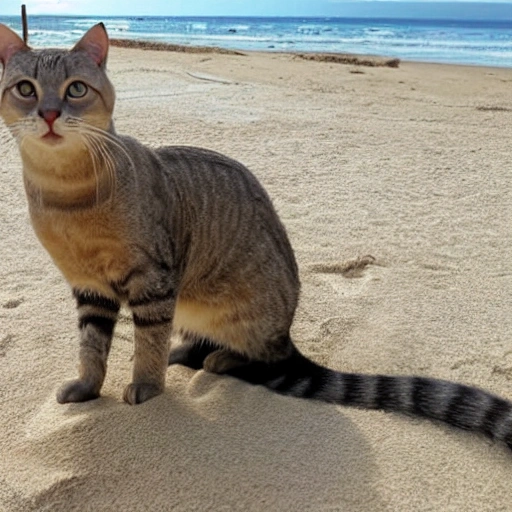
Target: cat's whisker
pixel 103 135
pixel 111 164
pixel 102 152
pixel 21 143
pixel 112 173
pixel 94 160
pixel 20 129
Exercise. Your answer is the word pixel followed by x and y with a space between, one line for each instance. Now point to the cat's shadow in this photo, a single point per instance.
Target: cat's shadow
pixel 209 443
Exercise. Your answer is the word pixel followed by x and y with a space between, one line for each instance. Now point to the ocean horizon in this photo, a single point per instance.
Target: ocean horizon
pixel 469 42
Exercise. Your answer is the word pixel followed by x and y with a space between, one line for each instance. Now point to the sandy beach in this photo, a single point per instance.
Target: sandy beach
pixel 409 164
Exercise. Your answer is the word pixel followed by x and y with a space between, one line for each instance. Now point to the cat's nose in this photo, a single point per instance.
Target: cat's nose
pixel 49 116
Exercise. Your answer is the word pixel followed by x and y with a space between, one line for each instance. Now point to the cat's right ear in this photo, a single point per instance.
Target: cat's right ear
pixel 10 44
pixel 95 44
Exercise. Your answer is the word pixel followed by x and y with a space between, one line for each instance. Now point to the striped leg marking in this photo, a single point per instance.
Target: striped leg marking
pixel 97 316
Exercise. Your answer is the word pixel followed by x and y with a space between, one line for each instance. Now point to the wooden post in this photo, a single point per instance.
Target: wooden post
pixel 24 23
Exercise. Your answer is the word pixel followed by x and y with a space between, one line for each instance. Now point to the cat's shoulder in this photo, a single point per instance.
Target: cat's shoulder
pixel 177 153
pixel 194 153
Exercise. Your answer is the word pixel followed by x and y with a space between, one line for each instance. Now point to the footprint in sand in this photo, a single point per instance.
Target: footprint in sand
pixel 12 304
pixel 353 272
pixel 7 341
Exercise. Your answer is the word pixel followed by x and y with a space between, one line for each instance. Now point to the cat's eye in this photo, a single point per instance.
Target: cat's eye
pixel 26 89
pixel 77 90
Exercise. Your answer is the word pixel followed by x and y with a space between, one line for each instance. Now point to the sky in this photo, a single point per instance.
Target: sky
pixel 501 9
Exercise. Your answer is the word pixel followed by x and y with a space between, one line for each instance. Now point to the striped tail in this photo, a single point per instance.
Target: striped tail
pixel 458 405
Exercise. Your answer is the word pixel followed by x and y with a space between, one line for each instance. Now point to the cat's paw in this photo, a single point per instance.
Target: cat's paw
pixel 77 391
pixel 136 393
pixel 221 361
pixel 191 355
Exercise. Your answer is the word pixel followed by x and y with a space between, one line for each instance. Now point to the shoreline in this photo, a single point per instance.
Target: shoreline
pixel 414 41
pixel 338 58
pixel 367 60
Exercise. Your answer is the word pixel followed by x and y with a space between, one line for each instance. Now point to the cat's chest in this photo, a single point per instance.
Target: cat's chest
pixel 91 250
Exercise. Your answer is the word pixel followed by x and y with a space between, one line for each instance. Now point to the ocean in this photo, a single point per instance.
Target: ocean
pixel 460 42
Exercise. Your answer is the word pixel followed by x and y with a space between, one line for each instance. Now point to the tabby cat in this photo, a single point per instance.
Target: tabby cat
pixel 187 239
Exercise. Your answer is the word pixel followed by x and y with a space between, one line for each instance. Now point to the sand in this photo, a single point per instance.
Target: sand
pixel 410 165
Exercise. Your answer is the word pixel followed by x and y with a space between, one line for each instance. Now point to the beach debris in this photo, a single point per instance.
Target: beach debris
pixel 169 47
pixel 24 23
pixel 347 58
pixel 350 268
pixel 493 108
pixel 209 78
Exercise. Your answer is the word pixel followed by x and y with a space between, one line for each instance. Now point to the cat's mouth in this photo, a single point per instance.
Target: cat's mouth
pixel 52 137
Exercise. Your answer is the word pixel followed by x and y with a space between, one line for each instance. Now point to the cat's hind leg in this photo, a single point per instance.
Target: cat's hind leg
pixel 224 360
pixel 192 352
pixel 258 355
pixel 247 351
pixel 198 353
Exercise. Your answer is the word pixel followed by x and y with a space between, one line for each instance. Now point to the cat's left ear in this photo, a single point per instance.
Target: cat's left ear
pixel 95 44
pixel 10 43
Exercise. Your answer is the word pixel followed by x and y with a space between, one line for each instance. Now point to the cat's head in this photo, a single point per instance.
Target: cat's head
pixel 50 98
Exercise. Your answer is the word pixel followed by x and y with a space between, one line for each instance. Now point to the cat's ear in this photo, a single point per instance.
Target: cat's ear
pixel 95 44
pixel 10 43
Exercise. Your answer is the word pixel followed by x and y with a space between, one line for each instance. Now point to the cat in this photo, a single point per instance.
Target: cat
pixel 185 237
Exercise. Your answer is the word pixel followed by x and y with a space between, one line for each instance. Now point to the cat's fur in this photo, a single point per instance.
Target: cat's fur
pixel 187 239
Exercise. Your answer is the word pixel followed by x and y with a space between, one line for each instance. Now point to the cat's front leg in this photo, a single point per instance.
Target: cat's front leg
pixel 152 317
pixel 97 316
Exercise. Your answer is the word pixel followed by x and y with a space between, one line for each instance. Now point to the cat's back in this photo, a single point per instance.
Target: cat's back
pixel 194 175
pixel 206 170
pixel 223 212
pixel 213 189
